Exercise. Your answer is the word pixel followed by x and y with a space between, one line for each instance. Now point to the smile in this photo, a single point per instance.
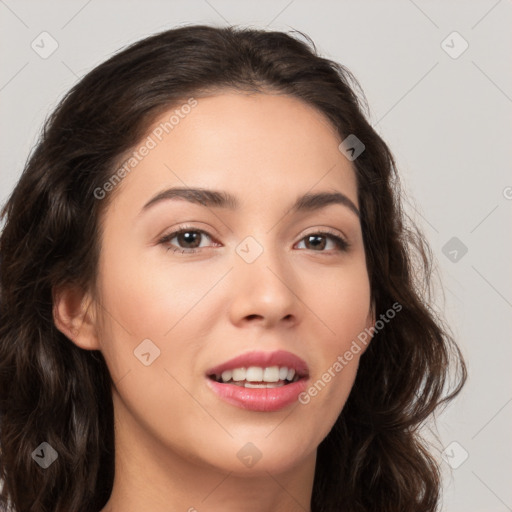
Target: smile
pixel 260 381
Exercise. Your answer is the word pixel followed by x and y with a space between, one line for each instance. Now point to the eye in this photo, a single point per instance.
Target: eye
pixel 188 239
pixel 318 241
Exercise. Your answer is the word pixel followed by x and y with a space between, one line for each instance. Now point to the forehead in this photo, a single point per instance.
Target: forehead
pixel 257 146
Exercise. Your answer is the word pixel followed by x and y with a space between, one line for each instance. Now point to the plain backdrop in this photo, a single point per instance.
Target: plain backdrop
pixel 438 80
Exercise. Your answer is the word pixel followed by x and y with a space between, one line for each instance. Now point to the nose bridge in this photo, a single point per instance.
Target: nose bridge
pixel 257 253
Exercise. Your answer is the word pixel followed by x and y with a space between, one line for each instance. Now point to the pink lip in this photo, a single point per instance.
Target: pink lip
pixel 261 399
pixel 263 359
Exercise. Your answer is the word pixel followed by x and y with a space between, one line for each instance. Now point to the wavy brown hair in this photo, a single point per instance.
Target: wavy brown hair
pixel 374 458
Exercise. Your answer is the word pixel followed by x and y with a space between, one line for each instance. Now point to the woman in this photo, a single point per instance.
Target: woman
pixel 210 296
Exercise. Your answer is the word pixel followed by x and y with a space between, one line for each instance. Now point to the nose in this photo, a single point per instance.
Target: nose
pixel 265 292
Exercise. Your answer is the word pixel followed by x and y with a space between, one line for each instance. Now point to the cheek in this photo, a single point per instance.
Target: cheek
pixel 342 307
pixel 154 292
pixel 158 301
pixel 341 303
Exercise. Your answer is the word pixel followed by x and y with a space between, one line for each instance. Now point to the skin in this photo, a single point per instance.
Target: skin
pixel 176 441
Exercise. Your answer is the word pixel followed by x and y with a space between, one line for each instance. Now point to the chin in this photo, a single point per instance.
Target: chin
pixel 255 455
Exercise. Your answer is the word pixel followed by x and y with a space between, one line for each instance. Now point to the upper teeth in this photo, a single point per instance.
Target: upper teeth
pixel 258 374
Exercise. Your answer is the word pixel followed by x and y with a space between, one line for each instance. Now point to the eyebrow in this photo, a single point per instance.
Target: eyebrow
pixel 222 199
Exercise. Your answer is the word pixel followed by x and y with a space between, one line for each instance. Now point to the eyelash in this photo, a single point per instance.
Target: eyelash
pixel 342 244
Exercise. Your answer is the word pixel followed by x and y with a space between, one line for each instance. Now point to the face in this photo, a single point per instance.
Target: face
pixel 194 288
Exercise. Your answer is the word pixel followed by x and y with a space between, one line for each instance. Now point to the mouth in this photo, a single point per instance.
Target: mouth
pixel 260 381
pixel 257 376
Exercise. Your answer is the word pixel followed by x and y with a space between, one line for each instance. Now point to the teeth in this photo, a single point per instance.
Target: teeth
pixel 271 374
pixel 239 374
pixel 256 376
pixel 268 385
pixel 226 375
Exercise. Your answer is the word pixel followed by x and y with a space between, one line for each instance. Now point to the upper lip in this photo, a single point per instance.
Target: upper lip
pixel 263 359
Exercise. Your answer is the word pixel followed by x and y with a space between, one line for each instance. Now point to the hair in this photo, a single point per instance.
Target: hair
pixel 374 457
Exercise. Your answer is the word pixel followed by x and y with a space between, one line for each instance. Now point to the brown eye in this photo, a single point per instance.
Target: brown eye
pixel 188 240
pixel 316 241
pixel 319 241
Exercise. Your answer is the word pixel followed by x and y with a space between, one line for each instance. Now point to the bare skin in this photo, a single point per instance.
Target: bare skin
pixel 177 441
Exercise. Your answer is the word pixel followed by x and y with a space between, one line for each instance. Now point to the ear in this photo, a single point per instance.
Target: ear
pixel 74 315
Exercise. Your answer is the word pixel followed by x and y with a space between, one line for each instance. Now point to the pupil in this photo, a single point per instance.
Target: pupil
pixel 317 238
pixel 188 237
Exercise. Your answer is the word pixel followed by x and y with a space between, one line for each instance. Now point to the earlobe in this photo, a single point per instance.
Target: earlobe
pixel 74 316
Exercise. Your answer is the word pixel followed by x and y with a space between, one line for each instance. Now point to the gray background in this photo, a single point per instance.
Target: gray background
pixel 447 120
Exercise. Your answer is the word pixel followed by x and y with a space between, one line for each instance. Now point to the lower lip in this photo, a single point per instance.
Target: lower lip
pixel 259 399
